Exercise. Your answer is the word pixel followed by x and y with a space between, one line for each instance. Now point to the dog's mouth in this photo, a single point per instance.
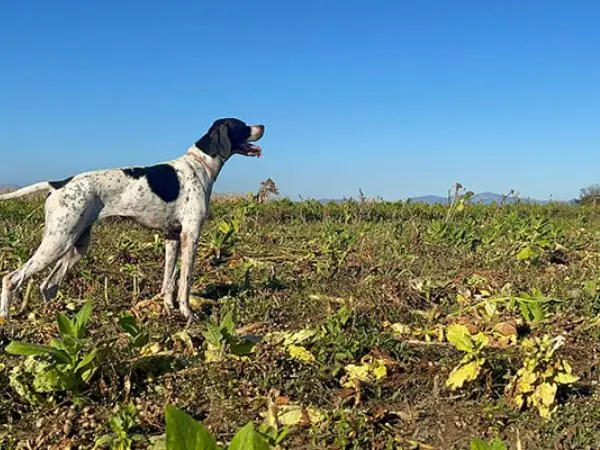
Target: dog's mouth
pixel 248 149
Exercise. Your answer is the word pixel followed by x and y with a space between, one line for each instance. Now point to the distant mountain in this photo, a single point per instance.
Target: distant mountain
pixel 486 198
pixel 430 199
pixel 330 200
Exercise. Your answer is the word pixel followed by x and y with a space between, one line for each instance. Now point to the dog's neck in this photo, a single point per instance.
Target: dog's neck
pixel 204 164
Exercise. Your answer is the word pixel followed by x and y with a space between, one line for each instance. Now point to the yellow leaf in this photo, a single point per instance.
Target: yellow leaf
pixel 400 329
pixel 440 333
pixel 464 373
pixel 196 302
pixel 290 414
pixel 299 353
pixel 543 398
pixel 298 336
pixel 518 401
pixel 295 415
pixel 380 372
pixel 355 372
pixel 526 380
pixel 544 411
pixel 481 339
pixel 566 378
pixel 367 372
pixel 459 336
pixel 315 415
pixel 150 349
pixel 213 354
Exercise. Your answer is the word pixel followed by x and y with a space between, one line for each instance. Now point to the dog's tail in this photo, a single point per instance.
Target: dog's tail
pixel 38 187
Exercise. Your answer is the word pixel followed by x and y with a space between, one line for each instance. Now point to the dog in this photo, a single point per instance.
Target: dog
pixel 173 196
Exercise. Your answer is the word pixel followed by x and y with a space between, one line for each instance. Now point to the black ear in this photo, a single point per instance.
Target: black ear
pixel 216 141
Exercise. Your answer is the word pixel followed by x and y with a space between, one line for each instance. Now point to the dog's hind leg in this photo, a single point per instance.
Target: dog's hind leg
pixel 49 251
pixel 49 288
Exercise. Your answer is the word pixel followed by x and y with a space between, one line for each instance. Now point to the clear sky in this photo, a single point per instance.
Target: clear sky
pixel 399 98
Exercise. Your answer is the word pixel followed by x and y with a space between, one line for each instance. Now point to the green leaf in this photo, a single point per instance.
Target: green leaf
pixel 525 313
pixel 590 287
pixel 248 439
pixel 27 349
pixel 65 326
pixel 82 317
pixel 227 323
pixel 213 335
pixel 537 312
pixel 88 359
pixel 242 348
pixel 497 444
pixel 101 442
pixel 139 337
pixel 479 444
pixel 459 336
pixel 531 311
pixel 69 344
pixel 19 382
pixel 185 433
pixel 48 380
pixel 525 253
pixel 129 325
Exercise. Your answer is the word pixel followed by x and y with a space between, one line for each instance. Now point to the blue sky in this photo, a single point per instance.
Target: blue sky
pixel 399 98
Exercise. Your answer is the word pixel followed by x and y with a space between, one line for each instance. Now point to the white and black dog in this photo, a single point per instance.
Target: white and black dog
pixel 173 196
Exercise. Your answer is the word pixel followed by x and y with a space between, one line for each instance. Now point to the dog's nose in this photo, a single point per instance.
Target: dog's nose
pixel 256 132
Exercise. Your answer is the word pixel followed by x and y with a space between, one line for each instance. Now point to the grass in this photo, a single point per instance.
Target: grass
pixel 372 287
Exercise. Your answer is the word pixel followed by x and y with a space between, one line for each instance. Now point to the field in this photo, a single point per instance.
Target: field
pixel 360 325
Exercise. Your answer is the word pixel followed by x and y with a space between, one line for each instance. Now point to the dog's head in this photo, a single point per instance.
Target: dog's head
pixel 229 136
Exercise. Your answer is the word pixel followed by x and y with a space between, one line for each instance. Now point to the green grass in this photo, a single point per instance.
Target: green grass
pixel 347 272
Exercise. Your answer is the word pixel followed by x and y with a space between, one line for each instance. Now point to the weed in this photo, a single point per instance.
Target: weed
pixel 536 383
pixel 480 444
pixel 472 345
pixel 221 339
pixel 64 365
pixel 184 432
pixel 121 424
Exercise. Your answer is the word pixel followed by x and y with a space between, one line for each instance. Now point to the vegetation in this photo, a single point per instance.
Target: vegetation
pixel 363 324
pixel 590 195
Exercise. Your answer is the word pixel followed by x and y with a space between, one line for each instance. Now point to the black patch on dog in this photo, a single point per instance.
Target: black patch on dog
pixel 162 179
pixel 223 137
pixel 59 184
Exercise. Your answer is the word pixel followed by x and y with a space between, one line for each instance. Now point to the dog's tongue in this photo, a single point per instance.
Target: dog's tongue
pixel 256 149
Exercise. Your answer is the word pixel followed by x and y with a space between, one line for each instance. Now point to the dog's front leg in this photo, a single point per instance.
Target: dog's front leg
pixel 189 244
pixel 170 276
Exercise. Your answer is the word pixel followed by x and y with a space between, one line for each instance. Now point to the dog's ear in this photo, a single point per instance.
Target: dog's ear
pixel 216 141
